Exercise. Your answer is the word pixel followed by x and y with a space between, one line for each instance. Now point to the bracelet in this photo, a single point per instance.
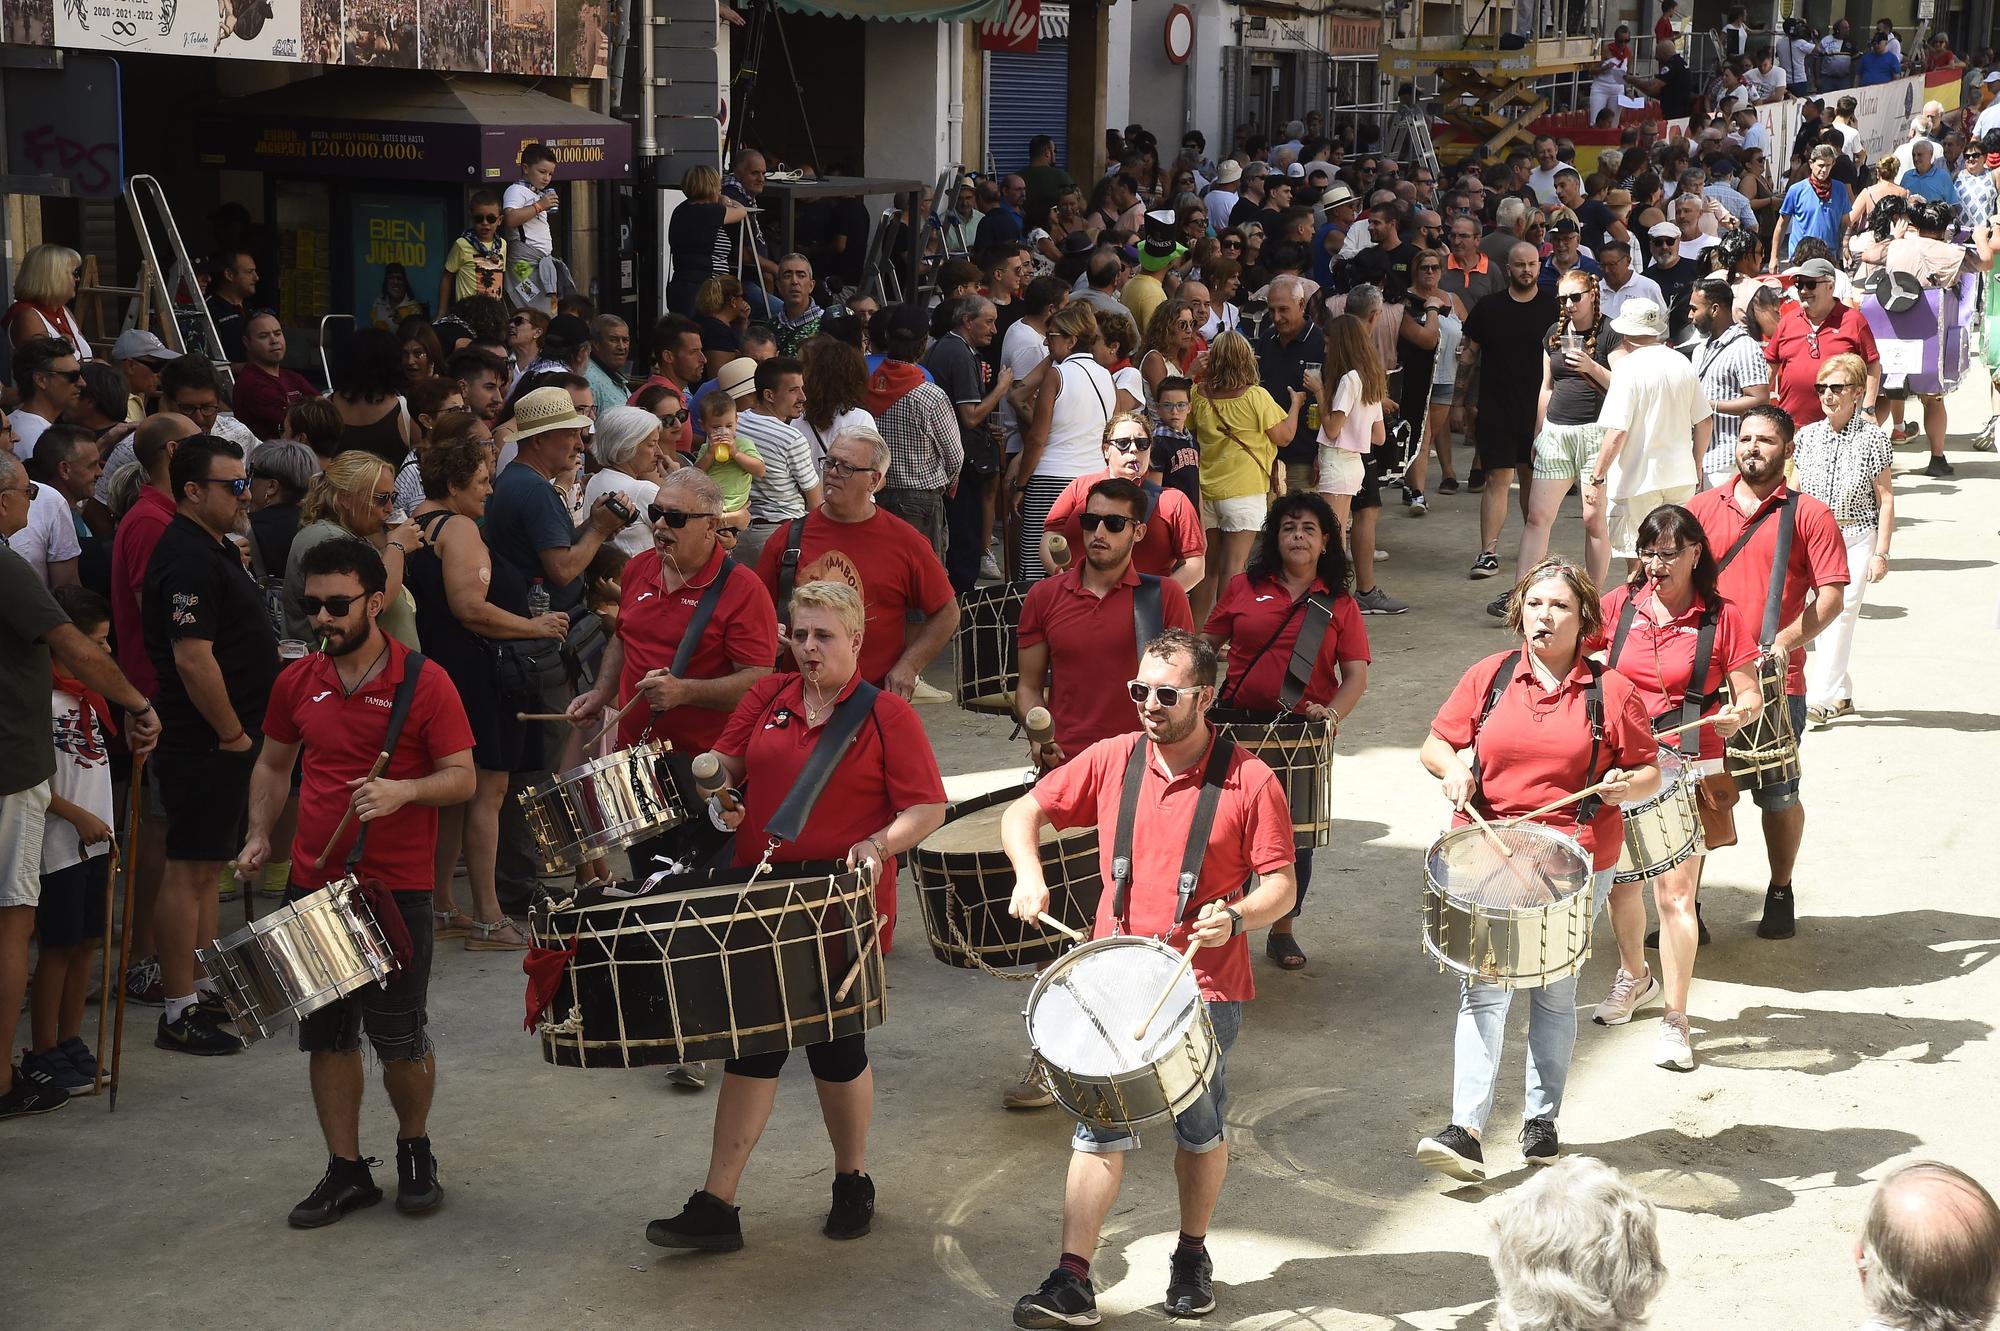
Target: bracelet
pixel 399 548
pixel 143 711
pixel 881 848
pixel 1235 920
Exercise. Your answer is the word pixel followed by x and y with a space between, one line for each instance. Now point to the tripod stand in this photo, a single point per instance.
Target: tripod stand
pixel 764 19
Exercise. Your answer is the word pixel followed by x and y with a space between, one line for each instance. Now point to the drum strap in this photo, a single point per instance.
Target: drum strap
pixel 840 729
pixel 399 714
pixel 1305 652
pixel 704 611
pixel 1782 556
pixel 1148 617
pixel 1593 708
pixel 1197 837
pixel 1695 697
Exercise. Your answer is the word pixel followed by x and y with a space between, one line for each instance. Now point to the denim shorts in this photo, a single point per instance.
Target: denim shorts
pixel 1198 1128
pixel 1781 795
pixel 392 1011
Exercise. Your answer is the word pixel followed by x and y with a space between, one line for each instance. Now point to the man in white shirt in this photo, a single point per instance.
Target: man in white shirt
pixel 1622 282
pixel 1989 119
pixel 1657 423
pixel 49 542
pixel 768 400
pixel 49 377
pixel 1024 347
pixel 1222 200
pixel 1542 179
pixel 1905 153
pixel 1750 132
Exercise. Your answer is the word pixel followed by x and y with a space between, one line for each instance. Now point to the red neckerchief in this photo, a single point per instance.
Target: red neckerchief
pixel 1825 192
pixel 89 697
pixel 56 319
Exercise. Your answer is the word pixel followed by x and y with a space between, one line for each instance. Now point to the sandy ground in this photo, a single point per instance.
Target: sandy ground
pixel 1825 1060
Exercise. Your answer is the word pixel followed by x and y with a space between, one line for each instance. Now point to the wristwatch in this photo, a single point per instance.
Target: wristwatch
pixel 880 848
pixel 1235 920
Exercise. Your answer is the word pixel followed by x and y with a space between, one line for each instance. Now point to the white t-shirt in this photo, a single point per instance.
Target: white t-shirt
pixel 28 429
pixel 82 776
pixel 1021 351
pixel 1692 249
pixel 1657 399
pixel 845 421
pixel 1357 428
pixel 50 536
pixel 635 536
pixel 536 230
pixel 1543 183
pixel 1989 119
pixel 1132 382
pixel 1850 138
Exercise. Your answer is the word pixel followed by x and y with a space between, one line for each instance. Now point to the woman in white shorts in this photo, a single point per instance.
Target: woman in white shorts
pixel 1350 412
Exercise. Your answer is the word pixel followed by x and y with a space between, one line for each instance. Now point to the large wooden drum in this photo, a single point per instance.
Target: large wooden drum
pixel 964 883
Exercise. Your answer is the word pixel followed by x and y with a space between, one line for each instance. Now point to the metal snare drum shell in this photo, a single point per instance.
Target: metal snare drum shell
pixel 1483 926
pixel 1665 830
pixel 303 956
pixel 603 805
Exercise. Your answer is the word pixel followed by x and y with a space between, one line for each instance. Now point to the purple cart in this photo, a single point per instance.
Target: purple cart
pixel 1928 347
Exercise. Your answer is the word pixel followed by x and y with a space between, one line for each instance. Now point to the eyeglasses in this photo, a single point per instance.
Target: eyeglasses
pixel 520 321
pixel 673 517
pixel 383 498
pixel 486 217
pixel 238 487
pixel 1111 522
pixel 28 488
pixel 337 606
pixel 1167 695
pixel 74 376
pixel 1128 443
pixel 1836 386
pixel 840 467
pixel 1664 556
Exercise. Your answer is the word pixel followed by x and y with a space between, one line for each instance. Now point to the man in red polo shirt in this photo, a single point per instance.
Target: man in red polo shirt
pixel 336 706
pixel 1808 333
pixel 1244 881
pixel 1084 626
pixel 848 539
pixel 1174 543
pixel 1817 564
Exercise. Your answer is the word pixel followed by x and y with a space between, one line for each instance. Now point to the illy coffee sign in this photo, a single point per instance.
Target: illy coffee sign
pixel 1019 30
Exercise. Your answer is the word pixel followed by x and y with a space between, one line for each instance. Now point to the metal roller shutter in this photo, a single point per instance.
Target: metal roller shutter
pixel 1026 95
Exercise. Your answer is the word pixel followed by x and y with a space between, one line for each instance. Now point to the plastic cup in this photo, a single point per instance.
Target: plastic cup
pixel 291 649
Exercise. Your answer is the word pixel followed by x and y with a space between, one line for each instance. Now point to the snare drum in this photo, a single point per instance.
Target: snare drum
pixel 985 649
pixel 1665 830
pixel 1520 922
pixel 605 805
pixel 965 882
pixel 1766 752
pixel 300 958
pixel 717 966
pixel 1300 751
pixel 1081 1017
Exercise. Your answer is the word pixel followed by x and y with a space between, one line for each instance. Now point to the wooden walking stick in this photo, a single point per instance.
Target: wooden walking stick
pixel 135 805
pixel 104 971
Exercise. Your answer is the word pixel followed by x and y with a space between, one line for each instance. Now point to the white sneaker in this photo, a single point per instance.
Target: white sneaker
pixel 693 1076
pixel 1674 1049
pixel 989 568
pixel 923 692
pixel 1627 996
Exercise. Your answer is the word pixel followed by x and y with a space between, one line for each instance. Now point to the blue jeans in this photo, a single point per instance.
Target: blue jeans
pixel 1198 1128
pixel 1482 1028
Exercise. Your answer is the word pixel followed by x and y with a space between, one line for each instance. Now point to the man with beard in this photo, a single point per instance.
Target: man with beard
pixel 336 709
pixel 1188 807
pixel 1733 373
pixel 1755 508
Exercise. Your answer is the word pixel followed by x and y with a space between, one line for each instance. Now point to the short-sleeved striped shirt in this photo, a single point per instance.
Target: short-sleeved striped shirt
pixel 1728 366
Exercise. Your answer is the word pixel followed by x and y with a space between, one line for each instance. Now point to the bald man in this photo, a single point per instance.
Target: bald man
pixel 1929 1255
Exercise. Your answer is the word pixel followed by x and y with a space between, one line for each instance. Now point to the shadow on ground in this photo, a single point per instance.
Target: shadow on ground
pixel 1821 1043
pixel 1845 952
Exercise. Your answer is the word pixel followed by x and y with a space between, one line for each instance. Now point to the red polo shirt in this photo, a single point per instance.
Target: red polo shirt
pixel 343 734
pixel 884 558
pixel 651 623
pixel 1093 650
pixel 1659 658
pixel 1173 532
pixel 1249 614
pixel 131 550
pixel 1795 358
pixel 867 790
pixel 1535 747
pixel 1252 833
pixel 1819 559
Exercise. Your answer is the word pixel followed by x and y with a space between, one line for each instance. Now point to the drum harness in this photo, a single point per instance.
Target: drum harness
pixel 704 610
pixel 382 903
pixel 1774 599
pixel 1305 652
pixel 1694 698
pixel 1593 707
pixel 1222 748
pixel 839 731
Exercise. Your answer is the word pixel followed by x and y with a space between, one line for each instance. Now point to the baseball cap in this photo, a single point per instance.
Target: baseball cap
pixel 1992 76
pixel 138 344
pixel 1295 171
pixel 1566 226
pixel 1817 269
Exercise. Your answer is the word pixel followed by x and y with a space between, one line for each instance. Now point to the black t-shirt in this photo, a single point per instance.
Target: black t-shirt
pixel 1677 91
pixel 1677 285
pixel 1281 368
pixel 1509 333
pixel 231 321
pixel 1594 218
pixel 965 379
pixel 1177 457
pixel 196 587
pixel 850 219
pixel 717 335
pixel 1573 399
pixel 1246 211
pixel 1387 269
pixel 694 240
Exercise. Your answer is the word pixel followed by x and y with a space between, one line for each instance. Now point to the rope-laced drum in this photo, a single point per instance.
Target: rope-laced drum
pixel 1082 1017
pixel 984 648
pixel 1766 751
pixel 1665 830
pixel 604 805
pixel 1519 921
pixel 303 956
pixel 721 965
pixel 965 882
pixel 1300 751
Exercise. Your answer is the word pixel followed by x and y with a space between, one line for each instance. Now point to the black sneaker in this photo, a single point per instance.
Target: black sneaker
pixel 706 1222
pixel 417 1186
pixel 347 1186
pixel 79 1056
pixel 853 1210
pixel 27 1095
pixel 1448 486
pixel 212 1007
pixel 1777 921
pixel 52 1067
pixel 1475 481
pixel 1454 1152
pixel 1063 1300
pixel 194 1033
pixel 1538 1142
pixel 1700 931
pixel 1497 607
pixel 1937 466
pixel 1485 566
pixel 1190 1284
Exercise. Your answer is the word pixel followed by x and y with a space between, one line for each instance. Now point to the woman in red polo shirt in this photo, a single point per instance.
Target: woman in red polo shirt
pixel 1654 623
pixel 1175 544
pixel 1259 615
pixel 884 796
pixel 1534 747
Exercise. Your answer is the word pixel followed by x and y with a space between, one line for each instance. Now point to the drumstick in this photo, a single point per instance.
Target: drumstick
pixel 1187 960
pixel 381 765
pixel 134 808
pixel 711 782
pixel 1492 837
pixel 1051 922
pixel 613 719
pixel 854 971
pixel 541 716
pixel 1585 793
pixel 1695 724
pixel 1041 727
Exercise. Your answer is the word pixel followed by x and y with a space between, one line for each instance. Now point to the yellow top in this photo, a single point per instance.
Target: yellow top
pixel 1231 469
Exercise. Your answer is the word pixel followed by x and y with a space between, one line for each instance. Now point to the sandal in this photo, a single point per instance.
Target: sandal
pixel 503 935
pixel 1285 950
pixel 453 923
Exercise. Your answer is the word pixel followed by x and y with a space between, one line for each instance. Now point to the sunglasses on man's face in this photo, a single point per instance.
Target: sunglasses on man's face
pixel 673 517
pixel 1111 522
pixel 337 606
pixel 238 487
pixel 1168 695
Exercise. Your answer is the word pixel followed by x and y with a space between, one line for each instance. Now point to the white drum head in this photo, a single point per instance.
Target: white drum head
pixel 1087 1007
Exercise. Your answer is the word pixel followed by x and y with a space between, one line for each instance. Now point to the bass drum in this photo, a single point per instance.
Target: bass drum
pixel 965 882
pixel 984 649
pixel 1300 751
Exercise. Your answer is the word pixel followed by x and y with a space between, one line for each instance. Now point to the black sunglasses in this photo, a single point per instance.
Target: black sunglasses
pixel 673 517
pixel 238 487
pixel 486 217
pixel 337 606
pixel 1112 522
pixel 1571 297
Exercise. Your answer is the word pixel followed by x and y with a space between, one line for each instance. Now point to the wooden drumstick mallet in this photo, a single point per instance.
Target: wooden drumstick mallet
pixel 1187 960
pixel 541 716
pixel 1039 725
pixel 874 935
pixel 1059 552
pixel 1695 724
pixel 710 780
pixel 1049 921
pixel 1585 793
pixel 616 716
pixel 340 829
pixel 1492 837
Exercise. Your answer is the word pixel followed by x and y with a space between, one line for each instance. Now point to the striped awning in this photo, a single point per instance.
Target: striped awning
pixel 904 11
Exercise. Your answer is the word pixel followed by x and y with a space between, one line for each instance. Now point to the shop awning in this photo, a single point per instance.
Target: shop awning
pixel 411 125
pixel 904 11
